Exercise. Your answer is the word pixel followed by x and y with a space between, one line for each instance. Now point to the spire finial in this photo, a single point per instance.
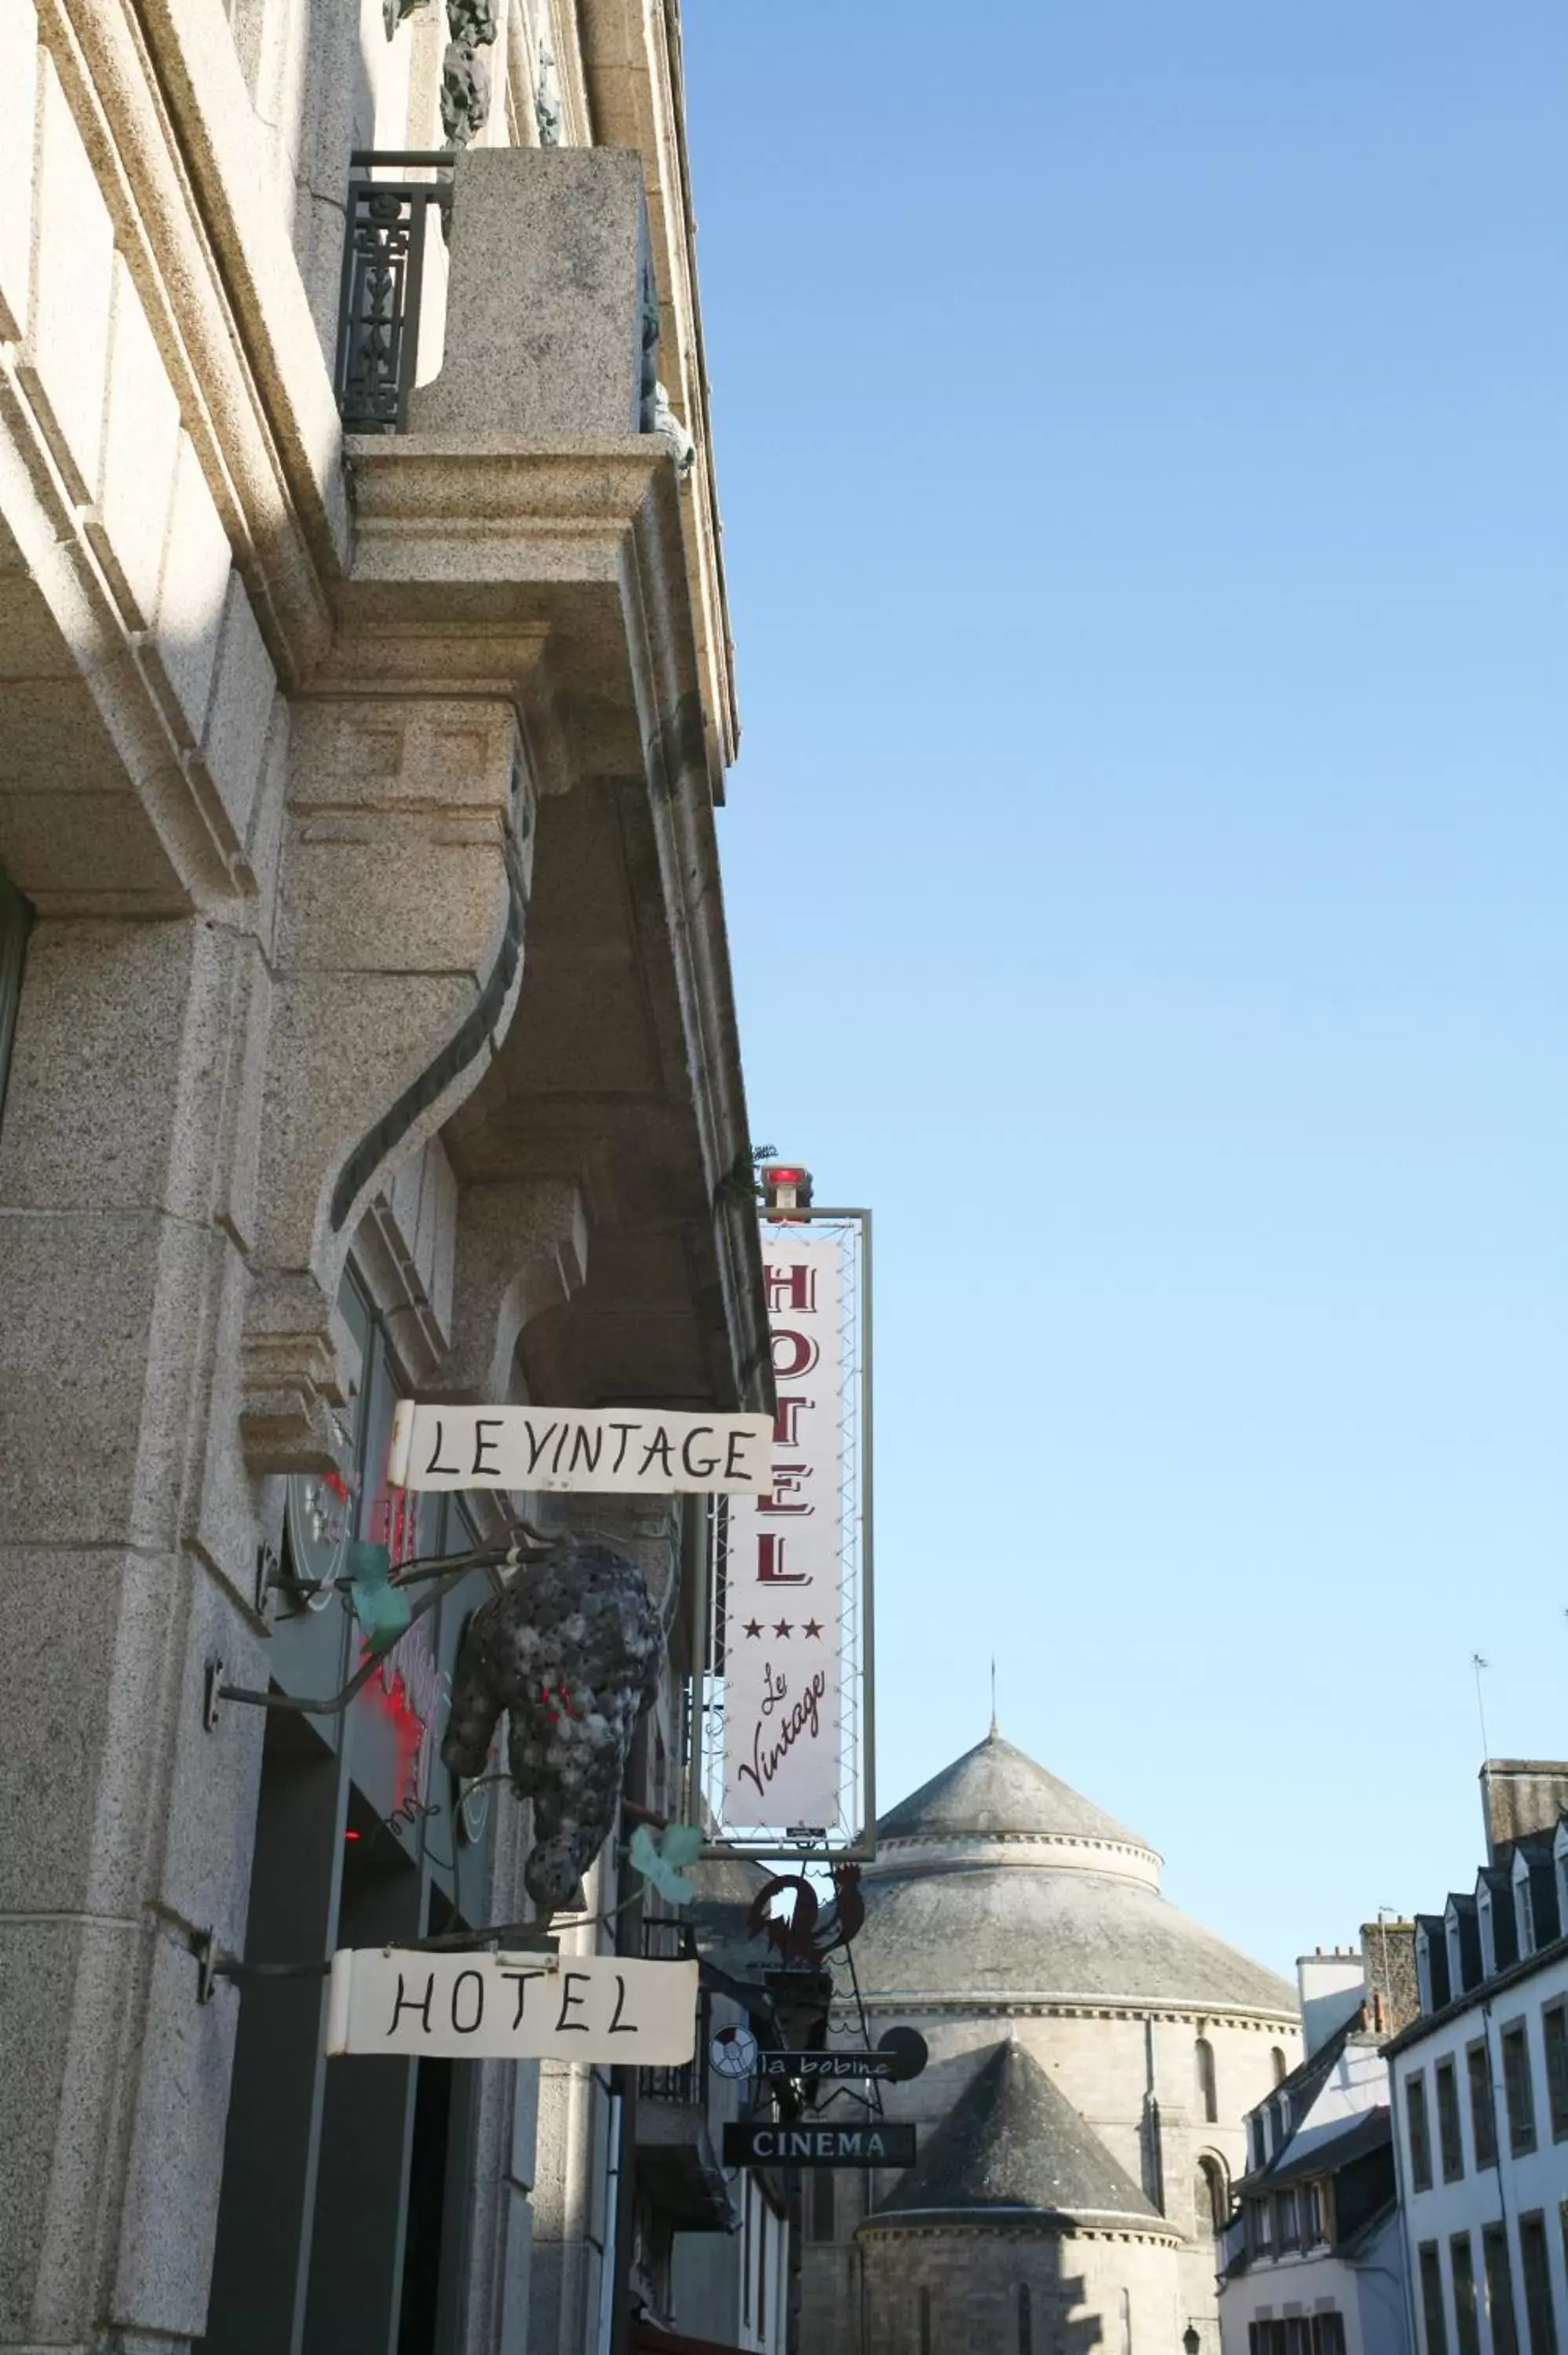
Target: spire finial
pixel 995 1728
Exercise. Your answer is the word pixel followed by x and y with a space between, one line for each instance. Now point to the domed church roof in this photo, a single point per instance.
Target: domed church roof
pixel 1013 2149
pixel 998 1789
pixel 995 1884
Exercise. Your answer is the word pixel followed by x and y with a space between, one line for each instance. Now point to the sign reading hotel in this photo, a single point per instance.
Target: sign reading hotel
pixel 522 2006
pixel 781 1636
pixel 610 1451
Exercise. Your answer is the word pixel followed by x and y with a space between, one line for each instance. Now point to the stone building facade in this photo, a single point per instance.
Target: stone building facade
pixel 365 994
pixel 1093 2056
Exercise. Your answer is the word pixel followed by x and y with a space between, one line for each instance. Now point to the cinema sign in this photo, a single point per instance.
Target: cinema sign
pixel 784 2143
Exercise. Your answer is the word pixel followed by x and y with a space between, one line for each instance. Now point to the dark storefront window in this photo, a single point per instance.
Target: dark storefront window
pixel 1415 2124
pixel 1483 2127
pixel 345 2188
pixel 1450 2141
pixel 1432 2316
pixel 1500 2290
pixel 1536 2266
pixel 1519 2095
pixel 1467 2321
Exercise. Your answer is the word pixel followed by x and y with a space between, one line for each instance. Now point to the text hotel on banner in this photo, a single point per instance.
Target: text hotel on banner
pixel 782 1592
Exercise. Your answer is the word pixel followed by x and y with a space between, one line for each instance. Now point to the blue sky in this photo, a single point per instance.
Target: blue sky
pixel 1142 436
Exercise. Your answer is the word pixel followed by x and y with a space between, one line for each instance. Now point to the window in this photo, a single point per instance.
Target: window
pixel 1212 2202
pixel 824 2218
pixel 14 919
pixel 1554 2028
pixel 1536 2267
pixel 1203 2056
pixel 1467 2319
pixel 1500 2290
pixel 1312 2219
pixel 1280 2070
pixel 1450 2140
pixel 1415 2127
pixel 1524 1913
pixel 1483 2125
pixel 1488 1943
pixel 1289 2232
pixel 1263 2211
pixel 1026 2321
pixel 762 2270
pixel 1432 2316
pixel 923 2315
pixel 1455 1945
pixel 1257 2148
pixel 1519 2095
pixel 1328 2334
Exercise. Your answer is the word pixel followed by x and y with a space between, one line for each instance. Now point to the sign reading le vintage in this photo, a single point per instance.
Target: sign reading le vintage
pixel 610 1451
pixel 525 2007
pixel 770 2144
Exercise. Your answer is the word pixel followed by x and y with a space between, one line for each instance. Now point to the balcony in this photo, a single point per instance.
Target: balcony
pixel 676 2162
pixel 520 541
pixel 386 250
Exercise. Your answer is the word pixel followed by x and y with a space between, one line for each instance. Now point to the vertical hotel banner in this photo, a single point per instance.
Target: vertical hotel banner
pixel 781 1636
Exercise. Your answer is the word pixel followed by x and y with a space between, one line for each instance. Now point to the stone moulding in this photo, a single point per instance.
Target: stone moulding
pixel 165 111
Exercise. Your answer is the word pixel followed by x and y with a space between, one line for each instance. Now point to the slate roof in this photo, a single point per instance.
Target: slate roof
pixel 1013 2147
pixel 997 1932
pixel 996 1789
pixel 947 1915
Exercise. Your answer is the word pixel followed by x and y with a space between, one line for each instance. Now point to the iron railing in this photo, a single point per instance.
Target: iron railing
pixel 674 1942
pixel 383 278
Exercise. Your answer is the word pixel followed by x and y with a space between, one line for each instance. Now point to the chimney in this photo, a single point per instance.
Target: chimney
pixel 1331 1987
pixel 1520 1795
pixel 1388 1958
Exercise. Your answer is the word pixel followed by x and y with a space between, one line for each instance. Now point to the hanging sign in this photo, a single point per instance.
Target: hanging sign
pixel 522 2006
pixel 789 2144
pixel 781 1636
pixel 610 1450
pixel 892 2065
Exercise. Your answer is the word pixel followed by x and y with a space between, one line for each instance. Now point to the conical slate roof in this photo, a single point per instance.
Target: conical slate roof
pixel 996 1884
pixel 1013 2148
pixel 998 1789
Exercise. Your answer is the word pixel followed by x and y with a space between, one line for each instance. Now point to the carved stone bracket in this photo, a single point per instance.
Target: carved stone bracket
pixel 400 953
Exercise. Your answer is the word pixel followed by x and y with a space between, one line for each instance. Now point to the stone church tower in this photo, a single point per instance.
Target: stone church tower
pixel 1092 2055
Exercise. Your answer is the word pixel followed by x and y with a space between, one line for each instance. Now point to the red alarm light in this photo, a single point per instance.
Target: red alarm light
pixel 786 1187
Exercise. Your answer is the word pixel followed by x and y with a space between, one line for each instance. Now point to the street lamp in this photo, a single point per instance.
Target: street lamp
pixel 1191 2342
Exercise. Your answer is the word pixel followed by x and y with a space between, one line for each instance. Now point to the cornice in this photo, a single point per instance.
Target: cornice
pixel 1023 2006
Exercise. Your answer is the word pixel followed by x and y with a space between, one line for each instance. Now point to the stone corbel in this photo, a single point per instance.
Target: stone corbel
pixel 521 1247
pixel 402 905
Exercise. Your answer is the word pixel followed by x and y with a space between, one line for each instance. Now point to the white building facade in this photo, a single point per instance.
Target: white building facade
pixel 1313 2258
pixel 1480 2089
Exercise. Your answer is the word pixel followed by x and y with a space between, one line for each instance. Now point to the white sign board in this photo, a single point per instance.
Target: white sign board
pixel 525 2007
pixel 781 1640
pixel 610 1451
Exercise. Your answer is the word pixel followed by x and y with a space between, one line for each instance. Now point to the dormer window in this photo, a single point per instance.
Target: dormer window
pixel 1560 1867
pixel 1455 1950
pixel 1524 1914
pixel 1424 1971
pixel 1489 1941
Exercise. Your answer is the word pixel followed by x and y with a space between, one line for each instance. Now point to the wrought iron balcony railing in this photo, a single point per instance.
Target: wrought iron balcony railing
pixel 672 1942
pixel 383 258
